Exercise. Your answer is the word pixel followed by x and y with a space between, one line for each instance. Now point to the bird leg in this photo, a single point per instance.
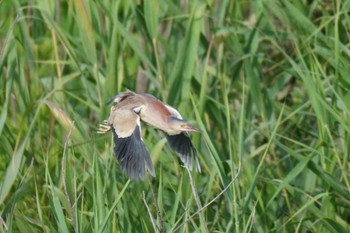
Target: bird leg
pixel 104 127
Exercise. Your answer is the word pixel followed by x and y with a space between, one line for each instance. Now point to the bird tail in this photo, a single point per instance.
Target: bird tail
pixel 182 145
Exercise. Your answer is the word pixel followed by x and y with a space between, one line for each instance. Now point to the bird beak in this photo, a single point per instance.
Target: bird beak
pixel 189 128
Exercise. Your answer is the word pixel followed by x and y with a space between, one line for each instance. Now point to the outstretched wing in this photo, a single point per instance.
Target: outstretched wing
pixel 129 147
pixel 173 111
pixel 182 145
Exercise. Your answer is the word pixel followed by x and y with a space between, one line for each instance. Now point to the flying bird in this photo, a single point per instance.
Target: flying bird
pixel 129 148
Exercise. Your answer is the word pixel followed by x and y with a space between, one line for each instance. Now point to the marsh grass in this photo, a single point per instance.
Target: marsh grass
pixel 267 82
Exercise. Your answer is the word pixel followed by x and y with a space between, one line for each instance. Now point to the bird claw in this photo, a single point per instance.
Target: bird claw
pixel 104 127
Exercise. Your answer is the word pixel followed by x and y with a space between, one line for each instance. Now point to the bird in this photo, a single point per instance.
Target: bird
pixel 124 121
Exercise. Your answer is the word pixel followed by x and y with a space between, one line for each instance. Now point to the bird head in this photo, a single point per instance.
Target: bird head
pixel 181 125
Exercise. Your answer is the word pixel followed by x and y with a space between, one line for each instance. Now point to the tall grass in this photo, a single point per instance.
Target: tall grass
pixel 265 81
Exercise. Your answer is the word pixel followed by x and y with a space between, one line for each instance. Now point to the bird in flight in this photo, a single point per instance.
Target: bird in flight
pixel 129 148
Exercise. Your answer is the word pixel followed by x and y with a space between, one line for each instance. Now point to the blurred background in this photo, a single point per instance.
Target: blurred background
pixel 267 82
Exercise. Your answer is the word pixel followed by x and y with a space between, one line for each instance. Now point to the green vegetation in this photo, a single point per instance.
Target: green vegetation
pixel 266 81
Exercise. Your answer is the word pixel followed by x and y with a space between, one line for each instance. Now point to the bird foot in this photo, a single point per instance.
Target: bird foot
pixel 104 127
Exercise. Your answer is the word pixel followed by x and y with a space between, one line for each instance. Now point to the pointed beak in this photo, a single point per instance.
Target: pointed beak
pixel 189 128
pixel 183 125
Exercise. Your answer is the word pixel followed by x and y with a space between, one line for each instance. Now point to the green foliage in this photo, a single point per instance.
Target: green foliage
pixel 267 82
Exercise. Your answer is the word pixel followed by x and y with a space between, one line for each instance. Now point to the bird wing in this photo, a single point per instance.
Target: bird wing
pixel 182 145
pixel 153 112
pixel 173 111
pixel 129 147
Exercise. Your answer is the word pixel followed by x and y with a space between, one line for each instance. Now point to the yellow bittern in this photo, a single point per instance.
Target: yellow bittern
pixel 129 148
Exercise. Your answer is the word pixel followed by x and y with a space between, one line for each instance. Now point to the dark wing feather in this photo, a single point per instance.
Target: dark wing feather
pixel 182 145
pixel 132 154
pixel 129 148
